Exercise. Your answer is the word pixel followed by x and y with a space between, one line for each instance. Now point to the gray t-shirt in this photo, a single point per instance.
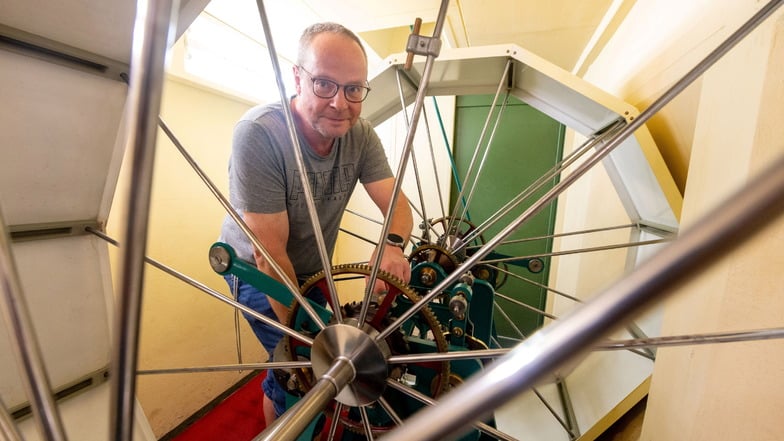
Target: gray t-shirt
pixel 264 178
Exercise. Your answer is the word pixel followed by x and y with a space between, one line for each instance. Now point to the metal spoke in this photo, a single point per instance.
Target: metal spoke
pixel 237 218
pixel 333 425
pixel 568 407
pixel 151 38
pixel 555 415
pixel 366 423
pixel 509 321
pixel 308 193
pixel 485 153
pixel 469 172
pixel 693 339
pixel 643 354
pixel 215 294
pixel 390 411
pixel 577 251
pixel 362 238
pixel 556 235
pixel 524 305
pixel 8 429
pixel 447 356
pixel 441 203
pixel 368 218
pixel 555 171
pixel 413 393
pixel 539 285
pixel 417 177
pixel 230 367
pixel 408 146
pixel 24 343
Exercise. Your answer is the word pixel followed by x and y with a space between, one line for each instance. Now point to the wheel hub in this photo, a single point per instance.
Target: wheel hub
pixel 367 356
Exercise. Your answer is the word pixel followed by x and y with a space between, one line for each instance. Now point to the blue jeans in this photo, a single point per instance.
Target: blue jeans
pixel 269 337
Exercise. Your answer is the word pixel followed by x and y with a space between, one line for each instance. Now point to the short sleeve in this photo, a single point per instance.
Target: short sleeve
pixel 257 174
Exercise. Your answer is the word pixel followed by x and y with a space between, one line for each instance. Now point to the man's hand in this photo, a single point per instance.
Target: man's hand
pixel 394 262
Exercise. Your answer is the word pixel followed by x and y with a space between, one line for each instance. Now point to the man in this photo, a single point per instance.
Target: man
pixel 339 150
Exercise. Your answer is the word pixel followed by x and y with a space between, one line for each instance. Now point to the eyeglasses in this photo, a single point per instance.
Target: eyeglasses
pixel 324 88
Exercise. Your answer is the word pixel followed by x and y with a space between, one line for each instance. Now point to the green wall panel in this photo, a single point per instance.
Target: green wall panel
pixel 525 145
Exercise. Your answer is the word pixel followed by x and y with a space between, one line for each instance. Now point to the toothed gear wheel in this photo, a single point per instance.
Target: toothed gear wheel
pixel 458 230
pixel 434 254
pixel 377 317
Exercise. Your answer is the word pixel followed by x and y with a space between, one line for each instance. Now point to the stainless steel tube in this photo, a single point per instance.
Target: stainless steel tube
pixel 419 102
pixel 761 202
pixel 306 189
pixel 417 177
pixel 460 199
pixel 8 429
pixel 431 402
pixel 292 423
pixel 579 251
pixel 693 339
pixel 153 30
pixel 230 367
pixel 25 346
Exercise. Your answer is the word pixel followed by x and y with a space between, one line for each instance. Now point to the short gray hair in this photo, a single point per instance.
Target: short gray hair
pixel 319 28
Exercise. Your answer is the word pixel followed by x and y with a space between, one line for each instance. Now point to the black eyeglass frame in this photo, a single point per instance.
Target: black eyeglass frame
pixel 337 87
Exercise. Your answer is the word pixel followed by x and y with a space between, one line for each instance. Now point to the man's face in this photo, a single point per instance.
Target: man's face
pixel 339 59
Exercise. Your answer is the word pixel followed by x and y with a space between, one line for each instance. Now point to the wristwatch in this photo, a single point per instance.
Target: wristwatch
pixel 396 241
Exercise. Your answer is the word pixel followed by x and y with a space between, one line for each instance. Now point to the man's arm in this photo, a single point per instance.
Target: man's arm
pixel 272 230
pixel 393 261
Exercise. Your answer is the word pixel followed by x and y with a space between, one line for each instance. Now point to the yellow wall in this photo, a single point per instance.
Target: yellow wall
pixel 730 391
pixel 182 326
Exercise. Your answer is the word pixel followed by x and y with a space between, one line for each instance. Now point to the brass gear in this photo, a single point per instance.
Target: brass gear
pixel 434 254
pixel 459 230
pixel 396 287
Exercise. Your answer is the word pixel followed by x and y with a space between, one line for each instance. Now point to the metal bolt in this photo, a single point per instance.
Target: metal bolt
pixel 219 259
pixel 428 276
pixel 535 265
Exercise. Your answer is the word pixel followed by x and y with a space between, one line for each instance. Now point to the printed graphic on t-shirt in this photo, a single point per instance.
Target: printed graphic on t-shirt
pixel 334 184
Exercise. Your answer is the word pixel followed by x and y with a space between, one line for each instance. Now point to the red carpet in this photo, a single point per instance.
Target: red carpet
pixel 237 418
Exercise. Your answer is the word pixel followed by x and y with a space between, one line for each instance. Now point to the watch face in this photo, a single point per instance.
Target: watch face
pixel 395 239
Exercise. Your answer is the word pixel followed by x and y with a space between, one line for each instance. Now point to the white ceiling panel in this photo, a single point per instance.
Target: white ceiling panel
pixel 103 27
pixel 68 308
pixel 58 140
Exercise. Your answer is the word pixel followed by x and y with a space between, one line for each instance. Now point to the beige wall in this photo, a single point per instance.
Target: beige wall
pixel 732 391
pixel 182 326
pixel 656 45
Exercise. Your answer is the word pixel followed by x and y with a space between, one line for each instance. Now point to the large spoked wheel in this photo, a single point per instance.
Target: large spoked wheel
pixel 389 356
